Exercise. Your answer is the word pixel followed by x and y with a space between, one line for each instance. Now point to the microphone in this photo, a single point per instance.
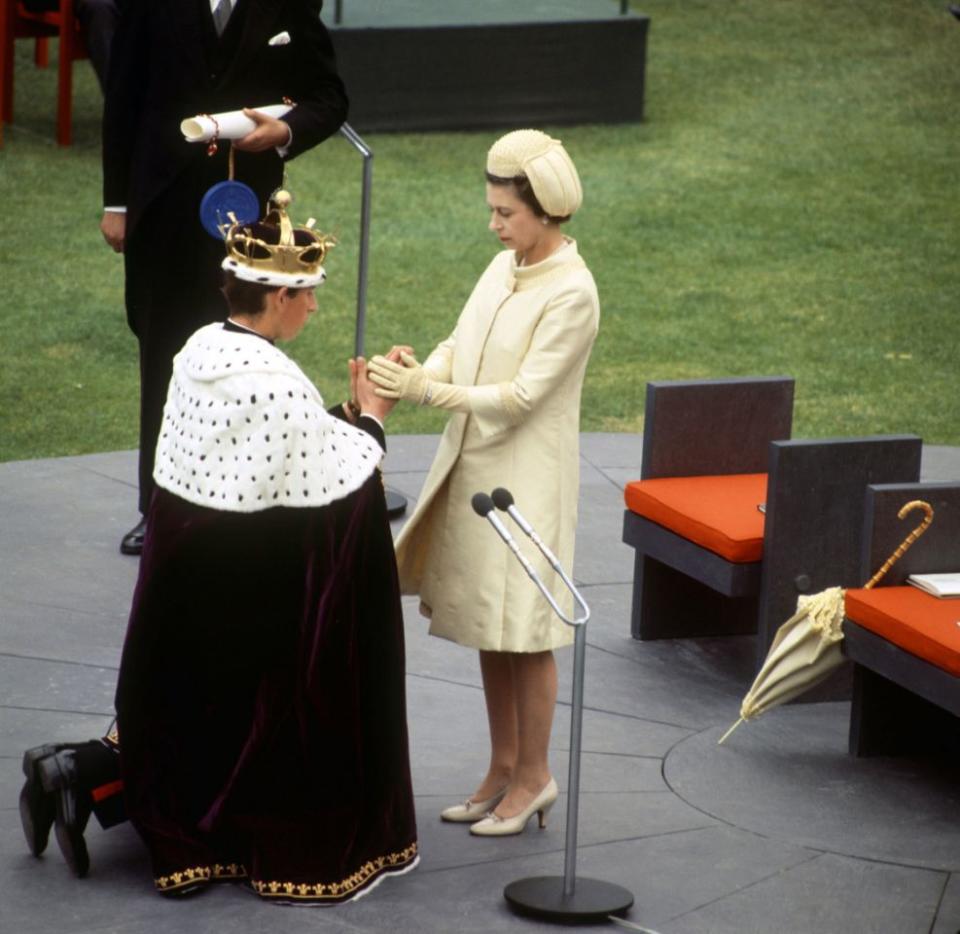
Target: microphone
pixel 503 500
pixel 483 506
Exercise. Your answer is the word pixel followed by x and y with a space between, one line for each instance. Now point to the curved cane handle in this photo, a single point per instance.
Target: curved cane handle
pixel 908 541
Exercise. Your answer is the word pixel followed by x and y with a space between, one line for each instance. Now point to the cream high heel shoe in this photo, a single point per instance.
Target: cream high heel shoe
pixel 495 826
pixel 471 810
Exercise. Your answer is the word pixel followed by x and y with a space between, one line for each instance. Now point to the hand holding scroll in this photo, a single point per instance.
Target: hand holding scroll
pixel 270 133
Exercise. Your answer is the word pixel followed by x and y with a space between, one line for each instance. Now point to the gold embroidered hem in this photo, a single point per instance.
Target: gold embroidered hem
pixel 217 872
pixel 300 891
pixel 183 878
pixel 337 891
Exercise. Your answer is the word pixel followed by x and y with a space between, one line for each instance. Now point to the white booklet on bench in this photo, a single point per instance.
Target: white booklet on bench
pixel 940 585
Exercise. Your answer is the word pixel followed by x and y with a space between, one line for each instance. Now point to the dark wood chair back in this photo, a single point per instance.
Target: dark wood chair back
pixel 714 426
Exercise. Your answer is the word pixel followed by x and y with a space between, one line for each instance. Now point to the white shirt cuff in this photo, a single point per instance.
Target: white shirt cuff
pixel 285 148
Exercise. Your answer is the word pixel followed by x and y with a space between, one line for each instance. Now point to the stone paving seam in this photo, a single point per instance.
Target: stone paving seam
pixel 559 851
pixel 58 661
pixel 104 476
pixel 81 713
pixel 622 755
pixel 776 838
pixel 435 678
pixel 691 730
pixel 66 609
pixel 743 888
pixel 943 894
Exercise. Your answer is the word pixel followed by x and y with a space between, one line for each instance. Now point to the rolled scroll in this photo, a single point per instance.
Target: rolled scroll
pixel 231 125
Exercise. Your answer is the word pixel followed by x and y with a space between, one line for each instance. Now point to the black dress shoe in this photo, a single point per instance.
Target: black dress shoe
pixel 58 774
pixel 37 807
pixel 132 542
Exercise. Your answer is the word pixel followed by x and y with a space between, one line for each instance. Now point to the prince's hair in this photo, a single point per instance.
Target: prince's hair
pixel 247 298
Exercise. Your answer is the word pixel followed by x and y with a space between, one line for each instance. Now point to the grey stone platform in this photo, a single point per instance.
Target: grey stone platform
pixel 776 832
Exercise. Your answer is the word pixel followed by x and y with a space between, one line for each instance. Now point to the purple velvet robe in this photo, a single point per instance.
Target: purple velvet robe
pixel 261 699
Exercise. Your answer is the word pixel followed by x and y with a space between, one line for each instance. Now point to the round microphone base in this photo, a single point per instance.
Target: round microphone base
pixel 396 503
pixel 542 897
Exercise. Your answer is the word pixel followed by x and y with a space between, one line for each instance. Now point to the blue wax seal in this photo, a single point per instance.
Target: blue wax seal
pixel 223 198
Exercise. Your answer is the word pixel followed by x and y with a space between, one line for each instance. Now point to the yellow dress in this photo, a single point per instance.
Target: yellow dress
pixel 523 340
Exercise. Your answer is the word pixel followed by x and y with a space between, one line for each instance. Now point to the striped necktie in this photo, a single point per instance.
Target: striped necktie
pixel 221 15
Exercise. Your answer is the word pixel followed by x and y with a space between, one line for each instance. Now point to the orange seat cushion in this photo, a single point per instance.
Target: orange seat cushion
pixel 718 513
pixel 919 623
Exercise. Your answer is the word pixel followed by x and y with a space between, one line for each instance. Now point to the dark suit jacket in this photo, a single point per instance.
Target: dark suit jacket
pixel 168 65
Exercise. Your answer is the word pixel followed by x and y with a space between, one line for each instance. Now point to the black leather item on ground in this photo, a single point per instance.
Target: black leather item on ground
pixel 132 542
pixel 58 774
pixel 37 807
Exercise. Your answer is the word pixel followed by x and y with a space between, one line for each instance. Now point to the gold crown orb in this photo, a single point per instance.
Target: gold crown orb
pixel 273 251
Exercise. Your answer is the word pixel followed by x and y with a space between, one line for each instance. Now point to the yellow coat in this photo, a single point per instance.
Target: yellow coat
pixel 523 340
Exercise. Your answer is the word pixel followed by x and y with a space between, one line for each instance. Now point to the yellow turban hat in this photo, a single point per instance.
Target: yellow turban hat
pixel 545 162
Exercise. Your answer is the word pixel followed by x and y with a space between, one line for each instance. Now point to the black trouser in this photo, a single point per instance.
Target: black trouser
pixel 98 776
pixel 173 283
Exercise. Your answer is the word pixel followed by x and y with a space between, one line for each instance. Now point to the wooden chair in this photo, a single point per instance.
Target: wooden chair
pixel 17 22
pixel 719 428
pixel 732 438
pixel 904 644
pixel 814 523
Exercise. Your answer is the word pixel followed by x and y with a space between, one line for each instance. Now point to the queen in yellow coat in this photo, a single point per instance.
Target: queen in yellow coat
pixel 511 373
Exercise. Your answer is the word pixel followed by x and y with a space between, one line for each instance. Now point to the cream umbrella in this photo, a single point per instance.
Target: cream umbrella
pixel 806 647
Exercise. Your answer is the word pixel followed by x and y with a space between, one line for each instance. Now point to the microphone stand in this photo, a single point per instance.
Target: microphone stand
pixel 396 502
pixel 563 900
pixel 363 260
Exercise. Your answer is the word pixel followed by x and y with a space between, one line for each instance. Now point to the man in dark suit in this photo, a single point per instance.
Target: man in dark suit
pixel 173 60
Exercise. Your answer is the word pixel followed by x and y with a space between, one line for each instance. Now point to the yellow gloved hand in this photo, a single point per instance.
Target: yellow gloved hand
pixel 396 381
pixel 410 381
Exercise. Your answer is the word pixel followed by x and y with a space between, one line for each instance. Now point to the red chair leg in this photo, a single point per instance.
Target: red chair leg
pixel 65 73
pixel 6 61
pixel 71 47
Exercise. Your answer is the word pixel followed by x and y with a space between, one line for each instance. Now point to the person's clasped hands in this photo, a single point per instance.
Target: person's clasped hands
pixel 399 375
pixel 365 395
pixel 405 379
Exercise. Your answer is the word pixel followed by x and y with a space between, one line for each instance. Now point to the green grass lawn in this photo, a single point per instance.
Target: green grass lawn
pixel 789 205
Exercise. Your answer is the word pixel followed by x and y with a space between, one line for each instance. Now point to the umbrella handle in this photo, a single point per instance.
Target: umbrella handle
pixel 908 541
